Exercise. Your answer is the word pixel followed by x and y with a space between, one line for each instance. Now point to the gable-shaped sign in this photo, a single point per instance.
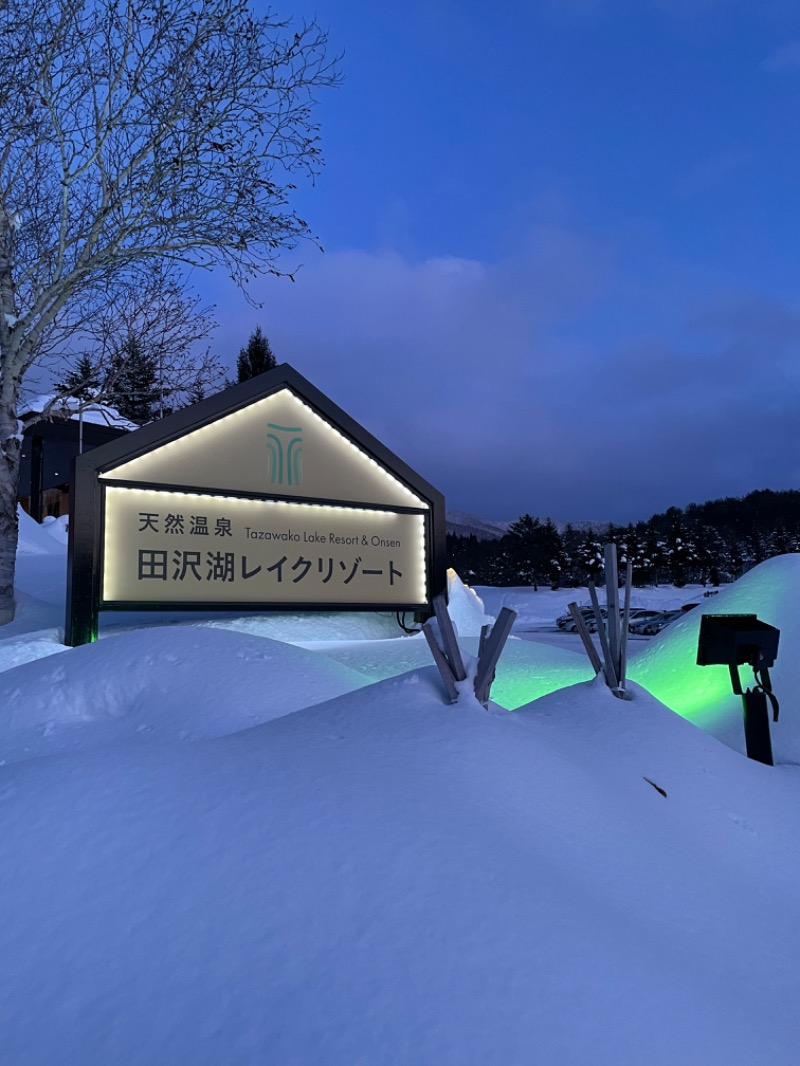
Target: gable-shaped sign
pixel 264 496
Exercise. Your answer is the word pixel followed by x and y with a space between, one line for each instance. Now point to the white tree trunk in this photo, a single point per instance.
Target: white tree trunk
pixel 9 522
pixel 138 139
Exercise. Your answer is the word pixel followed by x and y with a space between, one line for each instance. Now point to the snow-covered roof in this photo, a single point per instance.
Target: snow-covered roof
pixel 97 413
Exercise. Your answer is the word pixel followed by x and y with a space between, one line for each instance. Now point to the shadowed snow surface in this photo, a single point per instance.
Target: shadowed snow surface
pixel 221 848
pixel 181 683
pixel 383 878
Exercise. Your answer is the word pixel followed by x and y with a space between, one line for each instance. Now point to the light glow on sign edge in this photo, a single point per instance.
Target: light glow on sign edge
pixel 158 494
pixel 412 496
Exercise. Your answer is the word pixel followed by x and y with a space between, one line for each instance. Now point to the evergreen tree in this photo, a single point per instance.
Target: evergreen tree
pixel 134 383
pixel 256 358
pixel 589 558
pixel 571 540
pixel 682 556
pixel 631 551
pixel 554 560
pixel 708 547
pixel 654 558
pixel 524 542
pixel 83 382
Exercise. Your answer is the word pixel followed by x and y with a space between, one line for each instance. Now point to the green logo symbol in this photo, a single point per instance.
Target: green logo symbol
pixel 285 449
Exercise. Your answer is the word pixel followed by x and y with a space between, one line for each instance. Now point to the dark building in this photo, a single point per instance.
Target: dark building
pixel 48 449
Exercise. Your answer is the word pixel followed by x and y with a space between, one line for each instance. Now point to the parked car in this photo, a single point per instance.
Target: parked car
pixel 640 615
pixel 567 622
pixel 648 627
pixel 634 614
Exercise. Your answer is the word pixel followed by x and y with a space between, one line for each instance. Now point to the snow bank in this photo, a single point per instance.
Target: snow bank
pixel 465 607
pixel 316 627
pixel 666 666
pixel 311 626
pixel 223 848
pixel 168 684
pixel 37 540
pixel 537 609
pixel 40 587
pixel 386 879
pixel 28 646
pixel 57 528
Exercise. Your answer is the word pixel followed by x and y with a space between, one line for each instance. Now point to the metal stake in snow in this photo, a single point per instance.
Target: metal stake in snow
pixel 611 628
pixel 442 641
pixel 493 641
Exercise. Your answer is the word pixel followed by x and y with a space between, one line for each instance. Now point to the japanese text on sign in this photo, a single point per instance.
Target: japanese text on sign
pixel 174 547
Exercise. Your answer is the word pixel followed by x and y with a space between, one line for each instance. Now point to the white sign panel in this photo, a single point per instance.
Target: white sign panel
pixel 277 446
pixel 176 547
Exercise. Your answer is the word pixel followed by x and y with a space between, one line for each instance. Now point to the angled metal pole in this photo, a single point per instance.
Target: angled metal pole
pixel 485 631
pixel 626 614
pixel 450 643
pixel 441 662
pixel 612 604
pixel 583 632
pixel 491 653
pixel 608 666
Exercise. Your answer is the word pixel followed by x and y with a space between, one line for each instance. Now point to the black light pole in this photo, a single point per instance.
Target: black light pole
pixel 735 640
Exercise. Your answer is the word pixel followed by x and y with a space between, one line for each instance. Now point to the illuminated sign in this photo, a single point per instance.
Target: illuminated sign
pixel 277 445
pixel 265 496
pixel 189 548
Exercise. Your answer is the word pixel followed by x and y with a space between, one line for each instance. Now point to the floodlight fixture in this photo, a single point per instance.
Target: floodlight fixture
pixel 735 640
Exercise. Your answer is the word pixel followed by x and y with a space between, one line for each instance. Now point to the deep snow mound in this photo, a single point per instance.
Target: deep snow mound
pixel 667 665
pixel 308 627
pixel 386 879
pixel 35 539
pixel 176 683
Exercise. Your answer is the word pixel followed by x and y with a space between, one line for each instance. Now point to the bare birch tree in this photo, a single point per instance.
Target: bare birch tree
pixel 156 317
pixel 137 135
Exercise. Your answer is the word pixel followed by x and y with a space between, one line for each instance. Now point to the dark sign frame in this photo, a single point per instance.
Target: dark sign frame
pixel 87 503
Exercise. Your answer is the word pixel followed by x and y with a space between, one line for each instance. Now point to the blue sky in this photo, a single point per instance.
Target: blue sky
pixel 562 249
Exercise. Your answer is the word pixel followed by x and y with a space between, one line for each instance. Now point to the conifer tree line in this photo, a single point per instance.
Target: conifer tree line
pixel 708 543
pixel 130 382
pixel 137 381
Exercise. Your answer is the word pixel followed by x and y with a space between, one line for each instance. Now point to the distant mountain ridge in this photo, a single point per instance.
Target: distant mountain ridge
pixel 462 524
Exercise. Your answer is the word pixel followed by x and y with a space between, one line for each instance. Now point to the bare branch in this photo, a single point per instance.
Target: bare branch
pixel 140 137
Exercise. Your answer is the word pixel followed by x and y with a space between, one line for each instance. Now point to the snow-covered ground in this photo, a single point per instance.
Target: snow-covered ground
pixel 270 840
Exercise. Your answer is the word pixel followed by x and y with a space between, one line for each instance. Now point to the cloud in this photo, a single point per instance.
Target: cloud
pixel 785 57
pixel 558 380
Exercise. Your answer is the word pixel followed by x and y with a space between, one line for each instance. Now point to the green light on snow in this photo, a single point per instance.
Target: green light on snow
pixel 515 686
pixel 525 672
pixel 528 670
pixel 667 665
pixel 668 669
